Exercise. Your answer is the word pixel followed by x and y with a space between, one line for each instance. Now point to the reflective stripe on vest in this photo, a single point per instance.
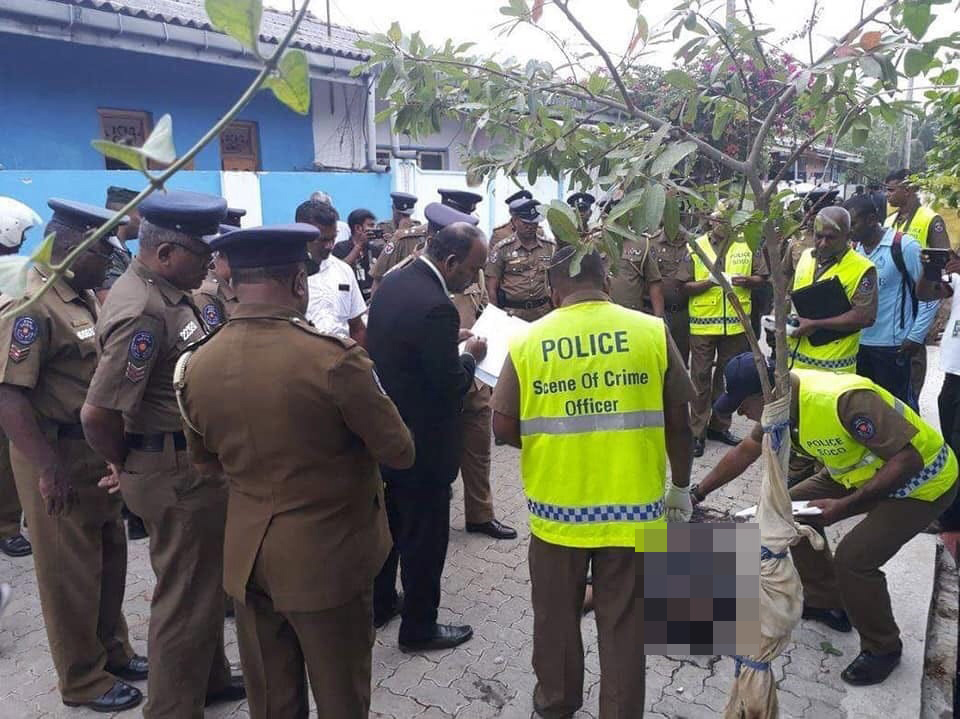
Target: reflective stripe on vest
pixel 823 436
pixel 593 456
pixel 711 313
pixel 841 354
pixel 919 226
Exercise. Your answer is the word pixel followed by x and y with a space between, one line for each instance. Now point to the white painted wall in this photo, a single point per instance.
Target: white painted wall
pixel 339 125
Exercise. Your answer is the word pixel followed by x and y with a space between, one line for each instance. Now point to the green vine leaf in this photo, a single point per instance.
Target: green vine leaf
pixel 563 222
pixel 43 255
pixel 127 154
pixel 240 19
pixel 159 145
pixel 291 84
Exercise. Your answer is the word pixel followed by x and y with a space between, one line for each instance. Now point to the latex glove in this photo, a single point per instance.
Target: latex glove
pixel 726 276
pixel 678 504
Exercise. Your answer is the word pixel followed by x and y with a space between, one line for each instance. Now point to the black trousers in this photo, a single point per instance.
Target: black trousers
pixel 419 517
pixel 949 404
pixel 890 369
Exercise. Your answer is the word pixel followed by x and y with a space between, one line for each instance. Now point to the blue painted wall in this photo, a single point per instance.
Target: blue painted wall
pixel 50 92
pixel 280 192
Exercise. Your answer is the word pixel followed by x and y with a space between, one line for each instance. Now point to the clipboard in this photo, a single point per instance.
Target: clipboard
pixel 818 301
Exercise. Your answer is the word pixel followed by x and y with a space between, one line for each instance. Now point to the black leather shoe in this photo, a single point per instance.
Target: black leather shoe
pixel 120 697
pixel 836 619
pixel 493 528
pixel 16 546
pixel 233 692
pixel 136 528
pixel 698 444
pixel 445 636
pixel 134 671
pixel 726 436
pixel 381 619
pixel 869 668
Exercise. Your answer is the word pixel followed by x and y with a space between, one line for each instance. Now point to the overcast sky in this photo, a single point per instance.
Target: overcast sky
pixel 610 21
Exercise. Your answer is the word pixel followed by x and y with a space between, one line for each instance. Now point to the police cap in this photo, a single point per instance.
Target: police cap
pixel 191 213
pixel 526 210
pixel 583 201
pixel 79 215
pixel 461 200
pixel 519 195
pixel 439 216
pixel 233 216
pixel 120 195
pixel 267 246
pixel 403 202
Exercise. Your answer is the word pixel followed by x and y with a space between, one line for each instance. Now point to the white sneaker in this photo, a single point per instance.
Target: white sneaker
pixel 5 593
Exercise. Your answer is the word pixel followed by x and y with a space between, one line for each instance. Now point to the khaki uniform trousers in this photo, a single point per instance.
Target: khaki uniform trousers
pixel 558 578
pixel 679 325
pixel 185 517
pixel 475 423
pixel 335 644
pixel 709 355
pixel 10 509
pixel 851 578
pixel 81 566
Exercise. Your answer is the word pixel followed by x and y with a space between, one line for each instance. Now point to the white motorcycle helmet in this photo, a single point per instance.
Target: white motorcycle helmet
pixel 15 219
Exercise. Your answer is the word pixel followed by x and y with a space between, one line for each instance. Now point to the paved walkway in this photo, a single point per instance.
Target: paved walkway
pixel 487 585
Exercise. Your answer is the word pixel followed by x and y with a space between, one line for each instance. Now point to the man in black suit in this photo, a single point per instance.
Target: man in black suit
pixel 412 337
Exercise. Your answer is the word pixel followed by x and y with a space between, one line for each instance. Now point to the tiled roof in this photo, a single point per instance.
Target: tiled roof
pixel 311 35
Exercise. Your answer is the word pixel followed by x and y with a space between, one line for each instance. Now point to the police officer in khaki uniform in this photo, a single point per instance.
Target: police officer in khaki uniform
pixel 636 278
pixel 80 551
pixel 516 269
pixel 306 532
pixel 882 460
pixel 502 232
pixel 582 202
pixel 131 418
pixel 216 299
pixel 402 204
pixel 672 257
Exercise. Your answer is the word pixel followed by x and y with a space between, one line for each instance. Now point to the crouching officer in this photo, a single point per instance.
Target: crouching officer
pixel 880 458
pixel 131 418
pixel 306 532
pixel 595 396
pixel 80 551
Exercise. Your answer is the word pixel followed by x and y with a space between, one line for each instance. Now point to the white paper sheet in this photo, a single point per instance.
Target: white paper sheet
pixel 800 509
pixel 498 329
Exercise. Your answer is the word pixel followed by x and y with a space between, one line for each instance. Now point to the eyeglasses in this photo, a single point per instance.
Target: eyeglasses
pixel 205 254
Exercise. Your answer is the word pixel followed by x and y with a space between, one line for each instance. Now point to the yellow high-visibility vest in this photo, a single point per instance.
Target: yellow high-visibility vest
pixel 841 354
pixel 593 457
pixel 919 226
pixel 710 312
pixel 822 435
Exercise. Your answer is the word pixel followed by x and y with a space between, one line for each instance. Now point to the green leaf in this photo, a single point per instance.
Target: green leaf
pixel 13 275
pixel 240 19
pixel 395 33
pixel 654 202
pixel 127 154
pixel 690 21
pixel 291 83
pixel 740 217
pixel 577 260
pixel 690 111
pixel 671 217
pixel 721 119
pixel 917 17
pixel 563 222
pixel 43 255
pixel 949 77
pixel 669 158
pixel 628 203
pixel 597 83
pixel 753 234
pixel 915 62
pixel 159 146
pixel 859 136
pixel 635 4
pixel 643 29
pixel 678 78
pixel 828 648
pixel 871 67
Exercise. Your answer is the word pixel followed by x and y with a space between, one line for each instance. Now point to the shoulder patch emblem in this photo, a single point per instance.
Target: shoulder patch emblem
pixel 863 427
pixel 866 283
pixel 25 331
pixel 388 248
pixel 211 313
pixel 141 348
pixel 938 226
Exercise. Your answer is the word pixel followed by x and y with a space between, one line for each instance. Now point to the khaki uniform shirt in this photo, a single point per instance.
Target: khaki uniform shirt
pixel 793 249
pixel 501 232
pixel 634 274
pixel 400 246
pixel 216 301
pixel 53 350
pixel 677 387
pixel 299 424
pixel 389 229
pixel 672 257
pixel 144 326
pixel 522 272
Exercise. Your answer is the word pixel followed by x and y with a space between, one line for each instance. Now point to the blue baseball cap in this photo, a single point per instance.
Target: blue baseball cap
pixel 741 380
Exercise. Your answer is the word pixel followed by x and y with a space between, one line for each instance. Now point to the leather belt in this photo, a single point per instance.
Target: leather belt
pixel 155 442
pixel 70 431
pixel 527 305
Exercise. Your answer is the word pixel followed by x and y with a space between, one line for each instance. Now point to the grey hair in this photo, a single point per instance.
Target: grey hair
pixel 153 235
pixel 455 240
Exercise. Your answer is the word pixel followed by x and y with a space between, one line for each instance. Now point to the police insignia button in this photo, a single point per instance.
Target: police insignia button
pixel 211 314
pixel 25 331
pixel 141 347
pixel 864 428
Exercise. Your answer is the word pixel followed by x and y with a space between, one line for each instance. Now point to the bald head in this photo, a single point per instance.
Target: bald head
pixel 459 252
pixel 831 228
pixel 836 218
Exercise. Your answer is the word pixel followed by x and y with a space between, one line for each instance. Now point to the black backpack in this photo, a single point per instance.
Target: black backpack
pixel 907 285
